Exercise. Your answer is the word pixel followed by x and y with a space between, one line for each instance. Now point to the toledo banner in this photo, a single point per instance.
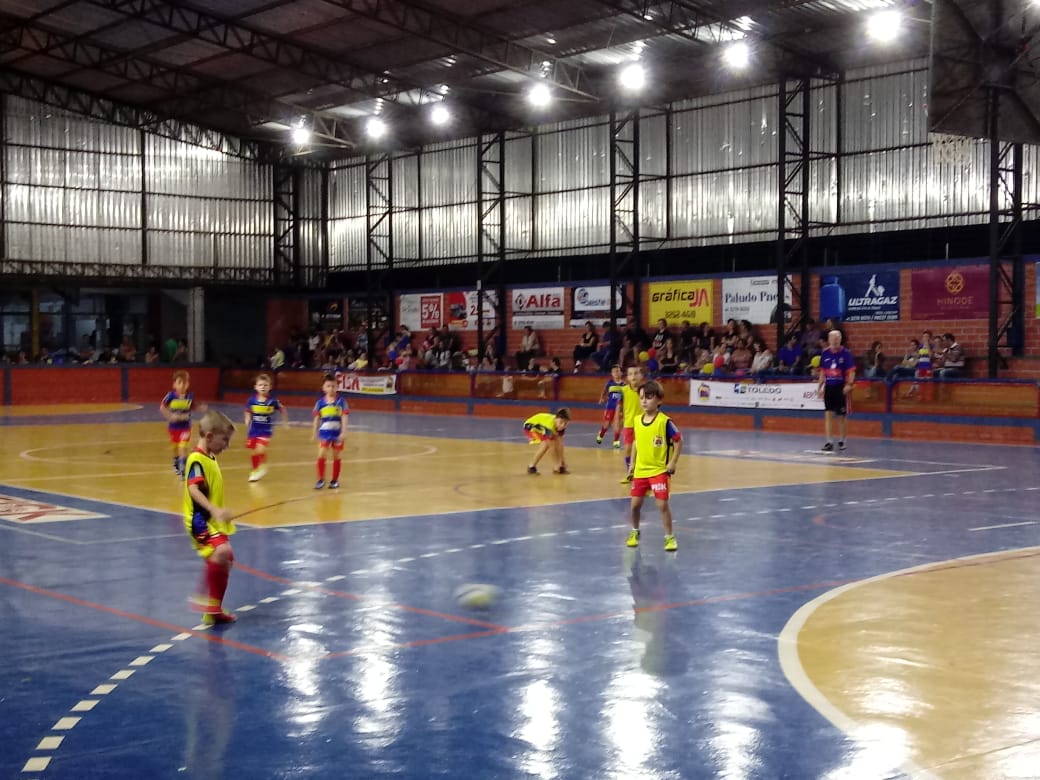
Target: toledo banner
pixel 678 301
pixel 960 293
pixel 749 395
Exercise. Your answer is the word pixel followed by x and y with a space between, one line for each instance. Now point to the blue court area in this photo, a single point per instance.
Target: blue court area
pixel 352 657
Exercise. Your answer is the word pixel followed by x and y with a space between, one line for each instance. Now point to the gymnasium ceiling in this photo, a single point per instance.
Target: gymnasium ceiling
pixel 254 68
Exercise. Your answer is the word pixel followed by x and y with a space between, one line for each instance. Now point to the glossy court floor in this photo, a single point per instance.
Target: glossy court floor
pixel 868 615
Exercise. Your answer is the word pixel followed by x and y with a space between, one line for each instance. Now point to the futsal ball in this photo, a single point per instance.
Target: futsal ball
pixel 475 595
pixel 815 361
pixel 644 356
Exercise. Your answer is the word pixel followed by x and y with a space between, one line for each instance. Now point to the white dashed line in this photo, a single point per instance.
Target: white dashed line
pixel 160 648
pixel 123 674
pixel 37 764
pixel 50 743
pixel 1002 525
pixel 64 724
pixel 104 689
pixel 142 660
pixel 246 608
pixel 405 560
pixel 85 706
pixel 269 600
pixel 290 592
pixel 336 578
pixel 181 637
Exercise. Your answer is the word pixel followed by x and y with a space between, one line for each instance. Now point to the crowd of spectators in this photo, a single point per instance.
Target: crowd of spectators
pixel 173 350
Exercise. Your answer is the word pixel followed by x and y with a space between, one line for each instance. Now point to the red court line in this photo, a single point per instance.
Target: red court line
pixel 354 597
pixel 208 636
pixel 417 643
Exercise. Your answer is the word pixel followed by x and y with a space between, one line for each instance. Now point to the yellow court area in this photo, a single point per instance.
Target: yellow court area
pixel 384 475
pixel 932 662
pixel 66 411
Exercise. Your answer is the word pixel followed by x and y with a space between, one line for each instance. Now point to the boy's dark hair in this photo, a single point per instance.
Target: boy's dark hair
pixel 652 389
pixel 328 378
pixel 563 413
pixel 182 374
pixel 617 366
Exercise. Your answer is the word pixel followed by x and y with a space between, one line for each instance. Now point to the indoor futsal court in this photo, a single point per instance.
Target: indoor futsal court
pixel 863 615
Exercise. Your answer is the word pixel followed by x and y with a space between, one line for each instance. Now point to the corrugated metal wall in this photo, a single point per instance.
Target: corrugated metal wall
pixel 724 178
pixel 79 190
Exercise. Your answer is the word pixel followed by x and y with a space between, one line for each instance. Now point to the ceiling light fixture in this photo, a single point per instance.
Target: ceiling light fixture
pixel 737 55
pixel 539 96
pixel 439 115
pixel 300 135
pixel 884 26
pixel 376 128
pixel 632 77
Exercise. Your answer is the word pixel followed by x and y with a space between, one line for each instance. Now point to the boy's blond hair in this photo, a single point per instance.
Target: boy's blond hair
pixel 215 422
pixel 262 378
pixel 181 374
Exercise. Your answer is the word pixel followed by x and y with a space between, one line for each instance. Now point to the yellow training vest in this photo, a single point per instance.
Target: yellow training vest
pixel 212 488
pixel 630 409
pixel 653 449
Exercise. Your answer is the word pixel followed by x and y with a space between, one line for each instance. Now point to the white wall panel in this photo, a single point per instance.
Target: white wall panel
pixel 519 233
pixel 573 219
pixel 730 135
pixel 406 182
pixel 449 176
pixel 347 192
pixel 406 235
pixel 347 243
pixel 725 205
pixel 450 231
pixel 573 158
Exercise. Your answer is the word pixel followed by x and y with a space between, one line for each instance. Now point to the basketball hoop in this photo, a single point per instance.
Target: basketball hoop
pixel 954 150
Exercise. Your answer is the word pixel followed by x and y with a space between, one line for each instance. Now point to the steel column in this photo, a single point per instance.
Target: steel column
pixel 491 230
pixel 379 255
pixel 624 208
pixel 792 219
pixel 285 224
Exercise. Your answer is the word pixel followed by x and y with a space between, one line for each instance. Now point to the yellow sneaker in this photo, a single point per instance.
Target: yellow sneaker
pixel 633 538
pixel 670 545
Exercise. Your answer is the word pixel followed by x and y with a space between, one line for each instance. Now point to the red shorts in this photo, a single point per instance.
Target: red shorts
pixel 211 545
pixel 330 444
pixel 628 436
pixel 252 443
pixel 657 485
pixel 609 415
pixel 535 436
pixel 179 436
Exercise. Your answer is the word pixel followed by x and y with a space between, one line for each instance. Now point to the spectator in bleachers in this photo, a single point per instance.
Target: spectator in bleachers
pixel 181 355
pixel 152 355
pixel 530 347
pixel 23 358
pixel 549 376
pixel 492 350
pixel 127 352
pixel 609 348
pixel 874 362
pixel 789 357
pixel 687 343
pixel 762 360
pixel 586 345
pixel 951 359
pixel 740 358
pixel 720 360
pixel 908 367
pixel 277 359
pixel 667 358
pixel 810 339
pixel 663 334
pixel 706 338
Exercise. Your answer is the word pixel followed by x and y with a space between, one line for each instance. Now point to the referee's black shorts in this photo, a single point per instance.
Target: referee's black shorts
pixel 834 398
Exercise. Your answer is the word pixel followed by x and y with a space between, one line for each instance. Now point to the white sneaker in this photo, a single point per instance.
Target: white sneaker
pixel 254 475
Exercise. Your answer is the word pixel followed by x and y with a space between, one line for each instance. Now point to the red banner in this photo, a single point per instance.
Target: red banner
pixel 960 293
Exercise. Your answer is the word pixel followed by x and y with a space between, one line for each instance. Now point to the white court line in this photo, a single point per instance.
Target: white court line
pixel 1002 525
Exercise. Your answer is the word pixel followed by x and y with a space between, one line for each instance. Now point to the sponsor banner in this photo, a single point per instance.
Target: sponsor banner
pixel 748 395
pixel 22 510
pixel 539 307
pixel 461 308
pixel 593 303
pixel 360 384
pixel 960 293
pixel 860 297
pixel 751 298
pixel 678 301
pixel 421 311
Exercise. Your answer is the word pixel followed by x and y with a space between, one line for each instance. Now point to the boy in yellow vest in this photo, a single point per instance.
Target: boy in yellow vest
pixel 654 455
pixel 206 520
pixel 630 410
pixel 546 430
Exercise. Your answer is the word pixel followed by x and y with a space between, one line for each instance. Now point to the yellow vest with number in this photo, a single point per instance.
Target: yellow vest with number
pixel 212 488
pixel 631 408
pixel 652 446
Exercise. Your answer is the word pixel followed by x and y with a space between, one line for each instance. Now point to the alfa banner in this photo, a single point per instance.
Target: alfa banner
pixel 748 395
pixel 679 301
pixel 362 384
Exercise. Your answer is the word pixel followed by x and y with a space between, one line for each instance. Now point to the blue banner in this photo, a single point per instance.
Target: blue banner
pixel 860 296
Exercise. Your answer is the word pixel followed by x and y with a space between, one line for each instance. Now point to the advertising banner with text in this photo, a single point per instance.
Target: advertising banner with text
pixel 462 309
pixel 359 384
pixel 593 304
pixel 860 297
pixel 539 307
pixel 748 395
pixel 421 311
pixel 960 293
pixel 678 301
pixel 751 298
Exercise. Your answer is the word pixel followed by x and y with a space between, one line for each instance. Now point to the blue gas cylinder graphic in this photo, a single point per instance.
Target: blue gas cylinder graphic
pixel 832 299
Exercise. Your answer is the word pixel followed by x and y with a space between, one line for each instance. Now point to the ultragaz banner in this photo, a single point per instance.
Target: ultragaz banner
pixel 679 301
pixel 860 296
